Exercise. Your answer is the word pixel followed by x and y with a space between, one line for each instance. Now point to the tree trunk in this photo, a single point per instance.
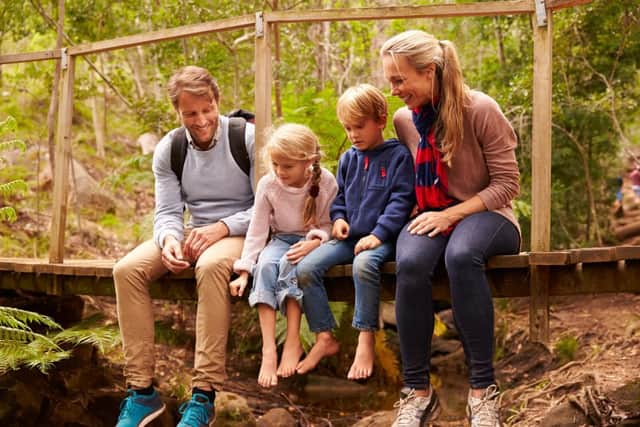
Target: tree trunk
pixel 55 87
pixel 96 114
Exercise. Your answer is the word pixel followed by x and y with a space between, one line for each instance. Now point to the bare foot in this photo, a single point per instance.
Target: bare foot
pixel 362 366
pixel 325 346
pixel 267 376
pixel 291 354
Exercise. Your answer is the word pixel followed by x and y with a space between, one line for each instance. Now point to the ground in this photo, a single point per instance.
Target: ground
pixel 595 344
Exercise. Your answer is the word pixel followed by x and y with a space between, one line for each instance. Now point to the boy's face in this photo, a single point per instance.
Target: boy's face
pixel 365 134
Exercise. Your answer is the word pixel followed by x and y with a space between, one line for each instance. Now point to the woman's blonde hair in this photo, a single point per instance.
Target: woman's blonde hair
pixel 362 102
pixel 195 80
pixel 297 142
pixel 422 49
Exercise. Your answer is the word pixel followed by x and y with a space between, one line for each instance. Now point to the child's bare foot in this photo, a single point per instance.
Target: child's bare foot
pixel 267 376
pixel 291 354
pixel 362 366
pixel 325 346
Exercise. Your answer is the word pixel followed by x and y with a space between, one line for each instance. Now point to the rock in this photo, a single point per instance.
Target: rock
pixel 277 417
pixel 147 142
pixel 320 387
pixel 233 410
pixel 379 419
pixel 565 415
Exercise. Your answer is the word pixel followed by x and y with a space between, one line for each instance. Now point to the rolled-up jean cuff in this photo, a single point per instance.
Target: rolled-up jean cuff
pixel 292 292
pixel 262 298
pixel 365 328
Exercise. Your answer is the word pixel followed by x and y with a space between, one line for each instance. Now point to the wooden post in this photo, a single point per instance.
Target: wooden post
pixel 63 156
pixel 263 81
pixel 541 172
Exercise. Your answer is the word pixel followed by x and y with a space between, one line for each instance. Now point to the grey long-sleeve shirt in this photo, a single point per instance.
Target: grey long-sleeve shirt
pixel 213 188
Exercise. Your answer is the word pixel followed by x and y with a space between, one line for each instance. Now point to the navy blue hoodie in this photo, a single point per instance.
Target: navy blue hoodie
pixel 375 190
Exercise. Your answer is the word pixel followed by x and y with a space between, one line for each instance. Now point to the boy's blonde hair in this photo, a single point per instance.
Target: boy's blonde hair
pixel 297 142
pixel 361 102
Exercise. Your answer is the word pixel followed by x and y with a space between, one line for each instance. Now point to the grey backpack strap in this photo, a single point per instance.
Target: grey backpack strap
pixel 237 143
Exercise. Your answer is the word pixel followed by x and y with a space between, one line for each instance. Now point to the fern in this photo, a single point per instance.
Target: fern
pixel 13 187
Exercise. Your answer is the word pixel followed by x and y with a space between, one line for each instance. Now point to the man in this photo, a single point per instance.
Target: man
pixel 219 195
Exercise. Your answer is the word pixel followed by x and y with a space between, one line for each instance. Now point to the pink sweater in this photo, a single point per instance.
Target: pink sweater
pixel 279 208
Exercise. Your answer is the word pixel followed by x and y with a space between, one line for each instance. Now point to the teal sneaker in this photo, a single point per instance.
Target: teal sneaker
pixel 198 412
pixel 138 410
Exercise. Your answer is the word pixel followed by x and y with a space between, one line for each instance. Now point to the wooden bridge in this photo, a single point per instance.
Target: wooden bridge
pixel 538 274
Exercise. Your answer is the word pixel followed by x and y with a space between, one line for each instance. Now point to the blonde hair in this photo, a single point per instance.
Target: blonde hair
pixel 362 102
pixel 422 49
pixel 195 80
pixel 297 142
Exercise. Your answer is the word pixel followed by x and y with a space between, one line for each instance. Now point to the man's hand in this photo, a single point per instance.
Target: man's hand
pixel 299 250
pixel 340 229
pixel 201 238
pixel 238 285
pixel 367 242
pixel 172 257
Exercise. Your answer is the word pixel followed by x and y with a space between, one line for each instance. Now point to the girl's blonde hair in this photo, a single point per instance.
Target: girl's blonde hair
pixel 297 142
pixel 362 102
pixel 422 49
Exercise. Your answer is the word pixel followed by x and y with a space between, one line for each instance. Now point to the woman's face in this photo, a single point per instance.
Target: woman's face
pixel 415 88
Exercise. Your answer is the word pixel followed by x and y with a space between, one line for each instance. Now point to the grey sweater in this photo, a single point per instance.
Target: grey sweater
pixel 213 188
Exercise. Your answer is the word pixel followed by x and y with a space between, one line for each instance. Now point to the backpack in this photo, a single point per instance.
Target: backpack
pixel 236 144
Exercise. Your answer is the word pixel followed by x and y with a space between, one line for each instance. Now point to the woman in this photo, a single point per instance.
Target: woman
pixel 466 177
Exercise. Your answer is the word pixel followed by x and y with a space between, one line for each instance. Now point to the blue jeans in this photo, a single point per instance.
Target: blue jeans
pixel 466 250
pixel 366 279
pixel 274 278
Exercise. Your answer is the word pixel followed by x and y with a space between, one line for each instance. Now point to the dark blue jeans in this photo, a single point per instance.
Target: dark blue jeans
pixel 466 250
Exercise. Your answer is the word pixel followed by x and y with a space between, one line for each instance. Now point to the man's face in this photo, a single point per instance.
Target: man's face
pixel 199 114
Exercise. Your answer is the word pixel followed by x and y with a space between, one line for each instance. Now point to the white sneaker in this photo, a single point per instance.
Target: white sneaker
pixel 415 411
pixel 484 411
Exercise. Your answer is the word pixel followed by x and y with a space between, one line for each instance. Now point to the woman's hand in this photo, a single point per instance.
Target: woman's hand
pixel 299 250
pixel 367 242
pixel 340 229
pixel 238 285
pixel 431 223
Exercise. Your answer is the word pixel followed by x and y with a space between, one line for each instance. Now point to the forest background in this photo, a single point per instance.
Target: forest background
pixel 596 87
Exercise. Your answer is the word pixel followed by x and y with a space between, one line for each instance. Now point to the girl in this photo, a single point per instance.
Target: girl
pixel 292 202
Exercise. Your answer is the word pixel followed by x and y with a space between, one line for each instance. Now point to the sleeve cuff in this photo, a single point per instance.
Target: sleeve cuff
pixel 242 265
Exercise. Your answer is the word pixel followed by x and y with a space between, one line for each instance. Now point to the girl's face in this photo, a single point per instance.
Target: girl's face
pixel 365 134
pixel 293 173
pixel 415 88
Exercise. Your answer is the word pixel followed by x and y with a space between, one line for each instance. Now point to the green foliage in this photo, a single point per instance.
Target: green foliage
pixel 36 341
pixel 16 186
pixel 566 348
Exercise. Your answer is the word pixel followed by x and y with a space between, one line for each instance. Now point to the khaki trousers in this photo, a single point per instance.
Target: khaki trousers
pixel 132 276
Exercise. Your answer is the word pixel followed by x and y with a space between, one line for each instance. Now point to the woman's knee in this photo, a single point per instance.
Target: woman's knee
pixel 462 258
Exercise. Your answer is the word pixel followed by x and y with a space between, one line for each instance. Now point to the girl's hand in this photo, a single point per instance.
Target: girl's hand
pixel 237 286
pixel 367 242
pixel 299 250
pixel 431 223
pixel 340 229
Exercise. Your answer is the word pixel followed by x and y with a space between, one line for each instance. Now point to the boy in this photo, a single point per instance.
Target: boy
pixel 375 197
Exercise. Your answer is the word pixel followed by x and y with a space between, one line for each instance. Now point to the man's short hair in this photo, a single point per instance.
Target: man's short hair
pixel 195 80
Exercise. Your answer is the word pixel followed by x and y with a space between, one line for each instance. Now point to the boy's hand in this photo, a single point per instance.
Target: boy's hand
pixel 340 229
pixel 172 256
pixel 299 250
pixel 237 286
pixel 367 242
